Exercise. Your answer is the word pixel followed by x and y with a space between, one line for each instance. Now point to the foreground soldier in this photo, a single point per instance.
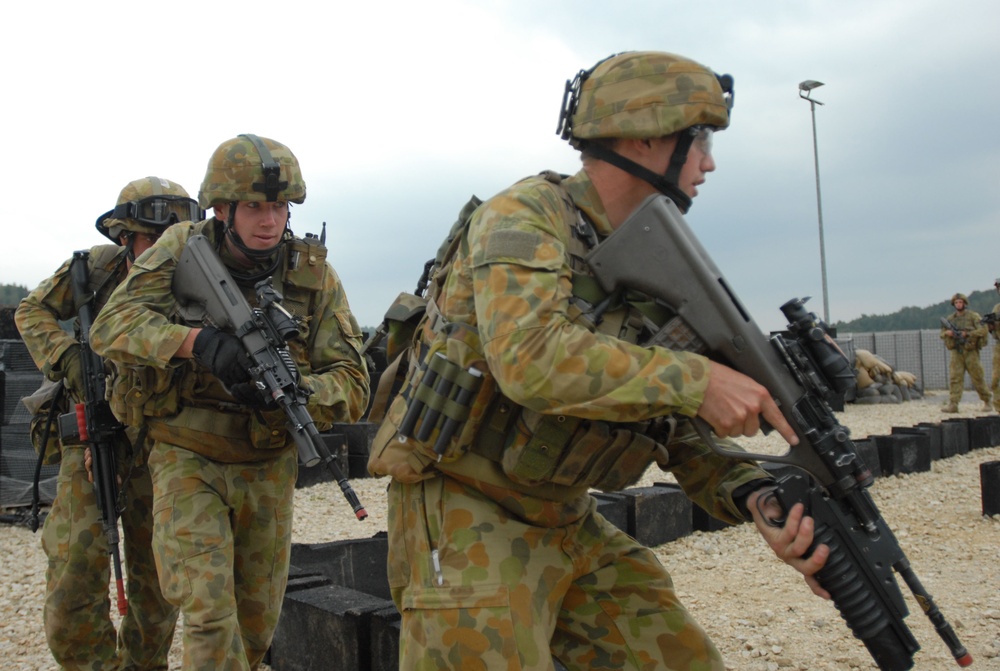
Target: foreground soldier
pixel 964 342
pixel 496 550
pixel 222 462
pixel 78 625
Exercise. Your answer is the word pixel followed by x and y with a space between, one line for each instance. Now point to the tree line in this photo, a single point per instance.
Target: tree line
pixel 914 318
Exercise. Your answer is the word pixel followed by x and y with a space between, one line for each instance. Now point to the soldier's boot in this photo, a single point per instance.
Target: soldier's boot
pixel 950 407
pixel 987 406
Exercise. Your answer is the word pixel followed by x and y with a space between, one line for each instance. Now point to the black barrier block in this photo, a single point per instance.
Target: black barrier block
pixel 923 440
pixel 357 563
pixel 614 508
pixel 994 422
pixel 312 475
pixel 385 627
pixel 903 453
pixel 954 437
pixel 324 628
pixel 702 521
pixel 989 478
pixel 980 432
pixel 868 452
pixel 933 433
pixel 657 514
pixel 299 579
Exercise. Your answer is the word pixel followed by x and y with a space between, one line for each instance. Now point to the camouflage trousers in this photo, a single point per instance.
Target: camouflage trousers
pixel 995 383
pixel 963 362
pixel 480 589
pixel 78 624
pixel 222 539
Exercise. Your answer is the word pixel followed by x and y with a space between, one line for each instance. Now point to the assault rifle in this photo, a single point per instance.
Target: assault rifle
pixel 654 252
pixel 961 337
pixel 94 422
pixel 208 293
pixel 990 320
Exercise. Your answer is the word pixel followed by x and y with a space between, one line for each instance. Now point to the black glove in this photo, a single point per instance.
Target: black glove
pixel 223 354
pixel 247 393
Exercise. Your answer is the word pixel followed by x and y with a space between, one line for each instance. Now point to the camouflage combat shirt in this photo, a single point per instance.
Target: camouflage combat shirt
pixel 512 280
pixel 140 329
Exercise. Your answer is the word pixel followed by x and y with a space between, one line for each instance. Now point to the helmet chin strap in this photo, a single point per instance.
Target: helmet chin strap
pixel 667 183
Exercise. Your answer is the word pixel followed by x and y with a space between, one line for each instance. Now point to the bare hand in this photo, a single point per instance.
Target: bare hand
pixel 734 403
pixel 791 541
pixel 88 463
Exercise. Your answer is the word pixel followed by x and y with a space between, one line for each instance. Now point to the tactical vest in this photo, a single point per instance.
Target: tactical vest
pixel 532 448
pixel 186 405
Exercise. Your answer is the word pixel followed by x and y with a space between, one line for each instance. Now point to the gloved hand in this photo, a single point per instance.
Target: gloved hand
pixel 223 354
pixel 72 370
pixel 248 394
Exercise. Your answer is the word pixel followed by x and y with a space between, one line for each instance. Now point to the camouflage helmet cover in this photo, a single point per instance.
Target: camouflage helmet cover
pixel 136 190
pixel 961 296
pixel 645 94
pixel 252 168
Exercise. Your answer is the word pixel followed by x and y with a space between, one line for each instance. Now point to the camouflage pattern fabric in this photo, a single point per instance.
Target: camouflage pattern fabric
pixel 481 589
pixel 222 536
pixel 995 383
pixel 140 330
pixel 76 615
pixel 224 474
pixel 512 282
pixel 966 360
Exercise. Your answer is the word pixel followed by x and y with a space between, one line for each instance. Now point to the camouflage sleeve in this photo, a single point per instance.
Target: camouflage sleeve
pixel 709 479
pixel 339 377
pixel 522 282
pixel 38 316
pixel 979 331
pixel 134 327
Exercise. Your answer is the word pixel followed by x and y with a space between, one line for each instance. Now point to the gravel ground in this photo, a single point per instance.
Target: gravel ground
pixel 759 611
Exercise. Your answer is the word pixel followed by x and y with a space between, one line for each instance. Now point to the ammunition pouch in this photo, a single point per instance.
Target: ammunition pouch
pixel 143 391
pixel 575 452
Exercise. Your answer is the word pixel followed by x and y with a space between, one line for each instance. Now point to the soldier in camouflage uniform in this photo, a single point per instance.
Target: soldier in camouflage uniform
pixel 498 558
pixel 995 333
pixel 222 461
pixel 78 625
pixel 964 345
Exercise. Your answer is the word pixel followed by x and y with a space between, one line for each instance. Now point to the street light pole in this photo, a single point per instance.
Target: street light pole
pixel 806 88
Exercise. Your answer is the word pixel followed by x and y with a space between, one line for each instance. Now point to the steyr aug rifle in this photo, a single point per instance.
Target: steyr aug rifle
pixel 654 252
pixel 204 286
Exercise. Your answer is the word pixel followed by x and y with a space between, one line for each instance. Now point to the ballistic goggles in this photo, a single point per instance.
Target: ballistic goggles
pixel 158 211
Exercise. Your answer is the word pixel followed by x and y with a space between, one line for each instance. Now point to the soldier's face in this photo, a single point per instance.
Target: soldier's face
pixel 259 225
pixel 959 304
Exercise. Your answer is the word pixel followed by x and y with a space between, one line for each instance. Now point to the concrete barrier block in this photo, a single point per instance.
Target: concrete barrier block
pixel 358 563
pixel 954 437
pixel 324 627
pixel 614 507
pixel 981 432
pixel 657 514
pixel 933 433
pixel 903 453
pixel 385 628
pixel 989 478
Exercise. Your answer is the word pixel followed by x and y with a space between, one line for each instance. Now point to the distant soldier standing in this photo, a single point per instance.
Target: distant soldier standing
pixel 78 625
pixel 995 333
pixel 965 341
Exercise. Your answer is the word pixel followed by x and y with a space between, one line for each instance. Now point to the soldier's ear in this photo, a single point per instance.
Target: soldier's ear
pixel 221 211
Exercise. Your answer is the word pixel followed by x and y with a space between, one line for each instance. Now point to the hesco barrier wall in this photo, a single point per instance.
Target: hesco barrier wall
pixel 919 352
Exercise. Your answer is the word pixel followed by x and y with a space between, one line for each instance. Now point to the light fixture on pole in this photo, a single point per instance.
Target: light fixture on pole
pixel 805 91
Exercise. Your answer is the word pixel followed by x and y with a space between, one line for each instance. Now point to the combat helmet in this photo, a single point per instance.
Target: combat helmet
pixel 645 94
pixel 148 205
pixel 960 296
pixel 252 168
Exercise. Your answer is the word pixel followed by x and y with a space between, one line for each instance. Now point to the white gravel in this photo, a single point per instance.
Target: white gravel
pixel 759 611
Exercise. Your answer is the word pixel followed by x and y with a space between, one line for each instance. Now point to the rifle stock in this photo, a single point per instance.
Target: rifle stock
pixel 95 422
pixel 207 293
pixel 655 252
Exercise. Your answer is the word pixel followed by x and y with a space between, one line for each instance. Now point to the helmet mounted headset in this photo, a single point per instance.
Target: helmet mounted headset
pixel 705 117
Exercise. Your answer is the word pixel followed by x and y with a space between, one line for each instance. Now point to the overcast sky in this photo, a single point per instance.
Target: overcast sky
pixel 399 111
